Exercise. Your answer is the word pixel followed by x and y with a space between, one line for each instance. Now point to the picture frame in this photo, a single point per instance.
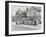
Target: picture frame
pixel 9 11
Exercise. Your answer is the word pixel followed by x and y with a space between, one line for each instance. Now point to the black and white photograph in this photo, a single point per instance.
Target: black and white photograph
pixel 25 18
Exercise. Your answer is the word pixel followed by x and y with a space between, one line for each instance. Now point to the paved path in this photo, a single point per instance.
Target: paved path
pixel 21 28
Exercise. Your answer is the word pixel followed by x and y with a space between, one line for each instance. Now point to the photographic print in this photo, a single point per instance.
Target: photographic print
pixel 24 18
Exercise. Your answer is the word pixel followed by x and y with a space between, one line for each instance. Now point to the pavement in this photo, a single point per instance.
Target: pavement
pixel 23 27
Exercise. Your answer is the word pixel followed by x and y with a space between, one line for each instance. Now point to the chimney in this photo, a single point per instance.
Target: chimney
pixel 27 9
